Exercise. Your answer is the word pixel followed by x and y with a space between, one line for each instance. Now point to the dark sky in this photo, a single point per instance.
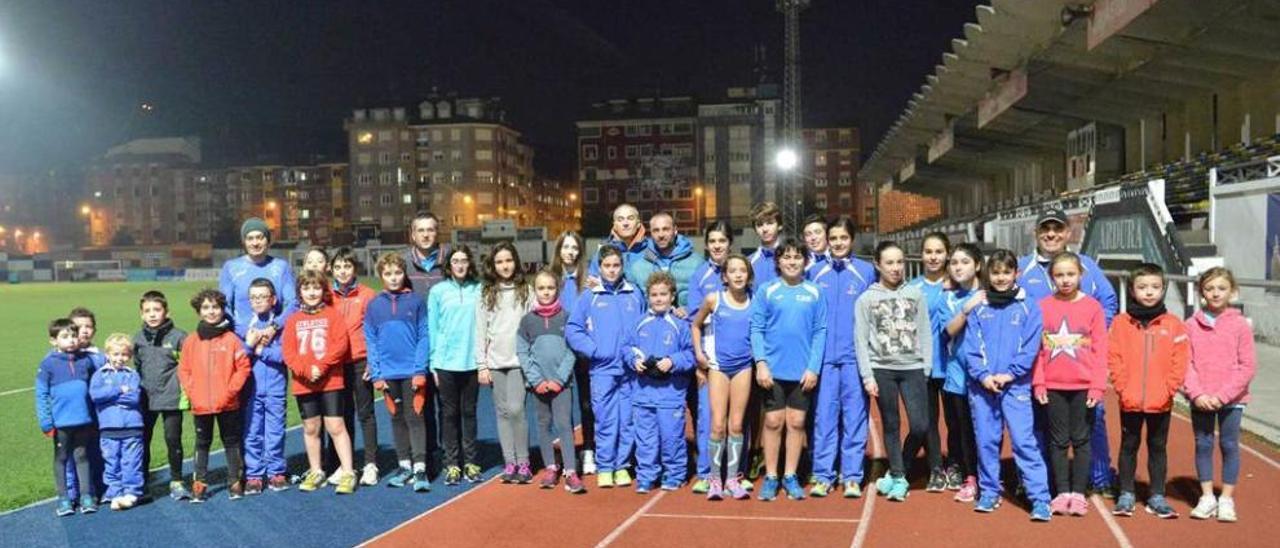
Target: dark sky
pixel 264 81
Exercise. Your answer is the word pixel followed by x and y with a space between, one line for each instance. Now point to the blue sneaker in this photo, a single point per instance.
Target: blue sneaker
pixel 65 507
pixel 399 478
pixel 987 503
pixel 769 489
pixel 642 487
pixel 421 483
pixel 1159 507
pixel 1040 511
pixel 1125 504
pixel 899 490
pixel 884 484
pixel 88 505
pixel 792 485
pixel 671 487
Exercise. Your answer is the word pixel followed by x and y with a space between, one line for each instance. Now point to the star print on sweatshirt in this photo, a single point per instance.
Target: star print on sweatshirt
pixel 1073 355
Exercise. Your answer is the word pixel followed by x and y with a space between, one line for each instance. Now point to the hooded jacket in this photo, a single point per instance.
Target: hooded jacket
pixel 155 357
pixel 1148 364
pixel 893 330
pixel 496 329
pixel 395 329
pixel 1003 340
pixel 269 371
pixel 660 336
pixel 212 372
pixel 1222 357
pixel 117 394
pixel 631 250
pixel 425 272
pixel 62 390
pixel 351 301
pixel 599 323
pixel 789 328
pixel 842 281
pixel 452 325
pixel 680 261
pixel 543 352
pixel 1073 355
pixel 318 339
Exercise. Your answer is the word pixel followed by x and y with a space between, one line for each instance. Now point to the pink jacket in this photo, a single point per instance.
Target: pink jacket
pixel 1222 357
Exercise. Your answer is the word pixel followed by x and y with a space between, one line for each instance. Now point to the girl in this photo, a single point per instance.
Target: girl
pixel 595 330
pixel 895 355
pixel 934 251
pixel 395 330
pixel 1070 377
pixel 315 348
pixel 840 416
pixel 949 316
pixel 316 260
pixel 1001 341
pixel 721 332
pixel 571 268
pixel 707 280
pixel 504 300
pixel 788 335
pixel 352 298
pixel 1222 365
pixel 547 363
pixel 451 306
pixel 1148 362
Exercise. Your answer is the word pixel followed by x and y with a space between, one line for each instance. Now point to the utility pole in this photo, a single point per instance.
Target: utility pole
pixel 790 193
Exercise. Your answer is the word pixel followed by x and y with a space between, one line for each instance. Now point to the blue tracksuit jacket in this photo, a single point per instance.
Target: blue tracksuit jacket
pixel 789 328
pixel 763 266
pixel 62 390
pixel 120 424
pixel 396 331
pixel 932 292
pixel 660 335
pixel 705 281
pixel 599 323
pixel 239 272
pixel 948 350
pixel 840 410
pixel 265 405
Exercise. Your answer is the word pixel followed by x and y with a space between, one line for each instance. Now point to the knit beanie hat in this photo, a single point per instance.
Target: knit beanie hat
pixel 254 224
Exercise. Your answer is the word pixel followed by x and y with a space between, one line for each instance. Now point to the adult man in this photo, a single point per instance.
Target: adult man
pixel 627 235
pixel 668 251
pixel 1034 277
pixel 428 262
pixel 238 273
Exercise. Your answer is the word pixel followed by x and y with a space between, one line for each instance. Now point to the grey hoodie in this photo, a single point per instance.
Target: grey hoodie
pixel 892 330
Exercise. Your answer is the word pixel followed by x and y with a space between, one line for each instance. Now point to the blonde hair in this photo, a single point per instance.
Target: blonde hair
pixel 1215 273
pixel 118 340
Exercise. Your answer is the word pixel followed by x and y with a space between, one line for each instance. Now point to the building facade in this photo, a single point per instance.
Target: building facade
pixel 829 168
pixel 131 192
pixel 737 136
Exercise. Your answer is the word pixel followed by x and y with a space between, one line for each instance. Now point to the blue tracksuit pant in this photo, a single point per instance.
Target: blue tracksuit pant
pixel 660 446
pixel 1100 468
pixel 991 414
pixel 265 425
pixel 611 403
pixel 122 466
pixel 839 423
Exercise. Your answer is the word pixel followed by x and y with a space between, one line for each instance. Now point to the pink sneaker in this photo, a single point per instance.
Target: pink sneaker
pixel 1079 505
pixel 1061 504
pixel 573 483
pixel 715 491
pixel 549 477
pixel 735 489
pixel 968 490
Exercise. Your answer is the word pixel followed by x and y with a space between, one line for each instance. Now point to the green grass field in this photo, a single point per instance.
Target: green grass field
pixel 25 311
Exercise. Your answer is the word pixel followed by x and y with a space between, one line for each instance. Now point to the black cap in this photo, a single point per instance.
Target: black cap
pixel 1052 214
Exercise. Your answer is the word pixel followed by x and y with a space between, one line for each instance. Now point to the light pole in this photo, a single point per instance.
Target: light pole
pixel 700 203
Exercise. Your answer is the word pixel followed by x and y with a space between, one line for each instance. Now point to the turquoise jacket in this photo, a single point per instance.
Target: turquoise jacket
pixel 451 320
pixel 680 263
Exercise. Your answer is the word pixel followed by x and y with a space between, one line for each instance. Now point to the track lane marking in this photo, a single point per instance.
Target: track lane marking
pixel 750 518
pixel 621 528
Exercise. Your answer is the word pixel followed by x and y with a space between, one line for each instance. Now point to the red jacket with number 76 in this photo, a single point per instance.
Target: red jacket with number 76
pixel 316 338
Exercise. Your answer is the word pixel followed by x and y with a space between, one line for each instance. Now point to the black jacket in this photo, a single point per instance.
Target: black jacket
pixel 155 356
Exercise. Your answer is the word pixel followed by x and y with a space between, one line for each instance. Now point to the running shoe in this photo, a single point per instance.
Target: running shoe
pixel 735 490
pixel 954 481
pixel 769 489
pixel 588 462
pixel 573 483
pixel 670 486
pixel 621 478
pixel 1206 508
pixel 346 484
pixel 400 477
pixel 253 486
pixel 715 491
pixel 987 503
pixel 899 490
pixel 1226 509
pixel 792 485
pixel 820 489
pixel 1061 504
pixel 549 477
pixel 884 484
pixel 1125 504
pixel 852 490
pixel 199 492
pixel 523 473
pixel 335 477
pixel 642 489
pixel 509 472
pixel 65 508
pixel 1079 505
pixel 312 481
pixel 452 475
pixel 1159 507
pixel 369 476
pixel 968 490
pixel 178 491
pixel 701 487
pixel 236 490
pixel 472 472
pixel 89 506
pixel 421 483
pixel 278 483
pixel 1040 512
pixel 604 480
pixel 745 483
pixel 937 481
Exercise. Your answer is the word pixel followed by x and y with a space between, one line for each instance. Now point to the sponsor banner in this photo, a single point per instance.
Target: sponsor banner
pixel 201 275
pixel 116 275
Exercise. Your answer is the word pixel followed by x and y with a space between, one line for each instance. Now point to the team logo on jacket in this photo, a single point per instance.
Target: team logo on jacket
pixel 668 338
pixel 804 298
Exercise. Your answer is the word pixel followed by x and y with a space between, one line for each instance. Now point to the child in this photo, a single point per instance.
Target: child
pixel 351 298
pixel 707 281
pixel 212 369
pixel 659 350
pixel 86 327
pixel 788 335
pixel 1070 377
pixel 721 333
pixel 895 356
pixel 571 268
pixel 548 362
pixel 840 415
pixel 595 331
pixel 1148 358
pixel 504 300
pixel 1222 365
pixel 934 251
pixel 949 315
pixel 395 330
pixel 766 218
pixel 155 356
pixel 64 412
pixel 451 308
pixel 1001 340
pixel 814 231
pixel 316 260
pixel 117 395
pixel 265 399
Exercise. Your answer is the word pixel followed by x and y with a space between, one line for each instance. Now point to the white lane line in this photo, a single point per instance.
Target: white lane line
pixel 868 507
pixel 17 391
pixel 429 511
pixel 751 518
pixel 617 532
pixel 1244 446
pixel 1099 507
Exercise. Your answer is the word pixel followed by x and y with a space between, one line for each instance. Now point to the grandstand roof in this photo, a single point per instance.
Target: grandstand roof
pixel 1103 60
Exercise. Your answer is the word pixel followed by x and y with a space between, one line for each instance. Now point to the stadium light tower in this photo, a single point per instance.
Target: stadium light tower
pixel 790 195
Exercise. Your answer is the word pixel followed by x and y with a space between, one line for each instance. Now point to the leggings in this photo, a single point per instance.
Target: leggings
pixel 911 384
pixel 172 421
pixel 933 440
pixel 230 430
pixel 1227 421
pixel 582 382
pixel 329 457
pixel 1070 426
pixel 508 400
pixel 961 445
pixel 555 421
pixel 1131 437
pixel 458 392
pixel 407 427
pixel 363 395
pixel 73 442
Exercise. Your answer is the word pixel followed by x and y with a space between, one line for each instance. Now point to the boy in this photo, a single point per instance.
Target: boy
pixel 213 368
pixel 117 395
pixel 63 410
pixel 86 326
pixel 767 220
pixel 155 357
pixel 1149 353
pixel 352 297
pixel 265 399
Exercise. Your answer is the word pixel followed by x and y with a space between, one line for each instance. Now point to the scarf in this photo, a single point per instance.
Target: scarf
pixel 208 331
pixel 347 288
pixel 156 336
pixel 1000 299
pixel 1145 314
pixel 427 261
pixel 309 309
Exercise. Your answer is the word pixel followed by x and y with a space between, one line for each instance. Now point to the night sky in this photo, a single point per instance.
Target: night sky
pixel 272 81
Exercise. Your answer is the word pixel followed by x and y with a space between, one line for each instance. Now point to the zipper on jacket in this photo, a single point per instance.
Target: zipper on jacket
pixel 208 371
pixel 1146 356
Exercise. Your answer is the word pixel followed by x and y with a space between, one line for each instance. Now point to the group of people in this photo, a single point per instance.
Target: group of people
pixel 649 334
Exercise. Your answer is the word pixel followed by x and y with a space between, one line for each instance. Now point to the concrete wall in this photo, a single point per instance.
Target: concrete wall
pixel 1240 234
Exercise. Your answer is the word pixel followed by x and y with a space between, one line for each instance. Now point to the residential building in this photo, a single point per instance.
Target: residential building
pixel 738 138
pixel 131 191
pixel 829 172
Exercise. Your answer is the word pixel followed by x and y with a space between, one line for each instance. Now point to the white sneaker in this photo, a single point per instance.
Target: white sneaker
pixel 127 501
pixel 588 462
pixel 335 478
pixel 370 474
pixel 116 502
pixel 1206 508
pixel 1226 509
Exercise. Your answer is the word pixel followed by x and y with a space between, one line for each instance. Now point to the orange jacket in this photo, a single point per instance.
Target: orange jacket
pixel 1148 365
pixel 352 306
pixel 213 371
pixel 316 339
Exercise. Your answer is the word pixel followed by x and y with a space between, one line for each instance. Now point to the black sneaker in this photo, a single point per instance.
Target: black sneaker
pixel 235 491
pixel 937 481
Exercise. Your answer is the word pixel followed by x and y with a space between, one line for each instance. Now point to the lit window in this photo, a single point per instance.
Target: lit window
pixel 408 198
pixel 484 154
pixel 484 134
pixel 365 137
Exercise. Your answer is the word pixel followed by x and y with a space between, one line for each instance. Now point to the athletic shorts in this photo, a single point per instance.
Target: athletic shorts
pixel 730 369
pixel 322 404
pixel 785 395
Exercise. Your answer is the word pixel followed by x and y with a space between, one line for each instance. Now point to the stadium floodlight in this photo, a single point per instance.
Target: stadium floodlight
pixel 786 159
